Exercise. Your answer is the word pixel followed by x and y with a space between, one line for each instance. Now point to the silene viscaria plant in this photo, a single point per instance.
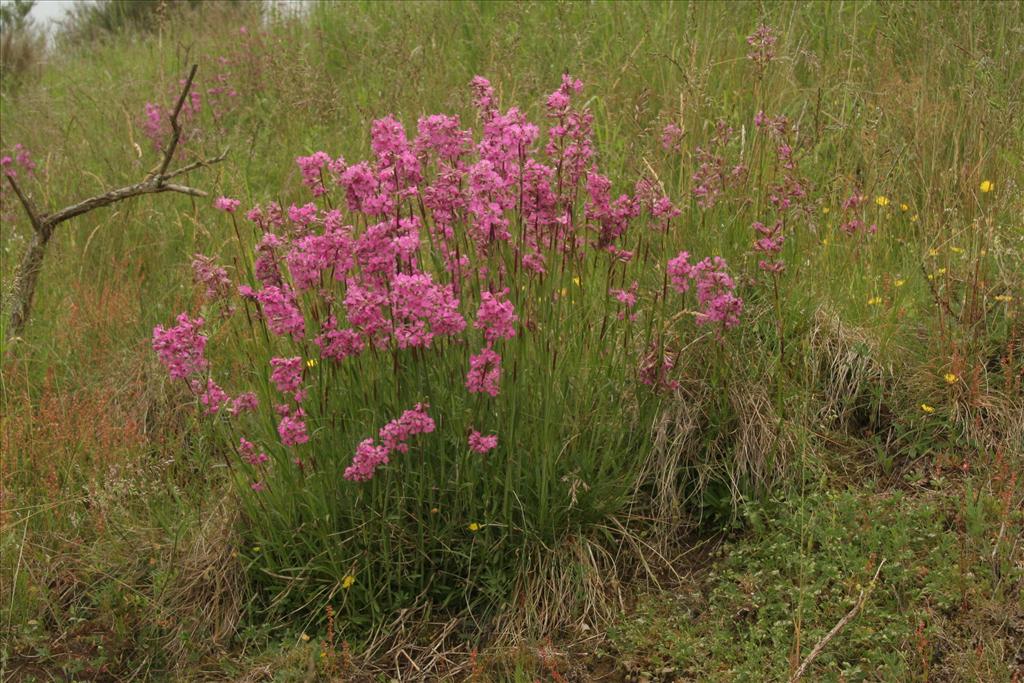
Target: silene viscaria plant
pixel 452 357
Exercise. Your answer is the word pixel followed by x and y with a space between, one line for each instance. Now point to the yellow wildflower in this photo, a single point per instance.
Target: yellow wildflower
pixel 941 271
pixel 824 242
pixel 434 511
pixel 987 186
pixel 933 252
pixel 1003 297
pixel 304 637
pixel 825 210
pixel 874 301
pixel 904 207
pixel 576 281
pixel 927 408
pixel 956 250
pixel 311 363
pixel 565 293
pixel 474 527
pixel 882 200
pixel 930 276
pixel 347 582
pixel 950 378
pixel 899 283
pixel 913 219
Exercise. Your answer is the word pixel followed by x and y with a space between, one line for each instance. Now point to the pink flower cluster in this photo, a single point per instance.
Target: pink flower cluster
pixel 762 41
pixel 23 159
pixel 496 316
pixel 770 244
pixel 479 443
pixel 181 348
pixel 394 437
pixel 226 204
pixel 484 376
pixel 213 277
pixel 716 296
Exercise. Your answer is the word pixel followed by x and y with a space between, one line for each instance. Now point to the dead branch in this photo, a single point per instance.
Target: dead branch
pixel 43 224
pixel 840 625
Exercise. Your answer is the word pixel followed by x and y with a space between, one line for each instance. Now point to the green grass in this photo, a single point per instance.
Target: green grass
pixel 112 490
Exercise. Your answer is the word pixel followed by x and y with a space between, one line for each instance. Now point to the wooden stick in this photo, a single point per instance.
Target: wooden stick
pixel 840 625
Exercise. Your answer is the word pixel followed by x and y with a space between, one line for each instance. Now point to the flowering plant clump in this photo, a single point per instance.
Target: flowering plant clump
pixel 493 280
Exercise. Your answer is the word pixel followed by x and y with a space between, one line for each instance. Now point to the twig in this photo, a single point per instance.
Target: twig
pixel 23 289
pixel 840 625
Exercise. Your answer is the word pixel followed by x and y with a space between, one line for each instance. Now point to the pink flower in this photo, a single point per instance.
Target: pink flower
pixel 763 43
pixel 210 395
pixel 338 344
pixel 181 347
pixel 482 444
pixel 213 277
pixel 244 403
pixel 396 433
pixel 257 486
pixel 312 169
pixel 394 437
pixel 282 315
pixel 671 137
pixel 287 374
pixel 292 429
pixel 366 461
pixel 626 297
pixel 484 372
pixel 226 204
pixel 496 316
pixel 680 272
pixel 769 244
pixel 422 309
pixel 247 450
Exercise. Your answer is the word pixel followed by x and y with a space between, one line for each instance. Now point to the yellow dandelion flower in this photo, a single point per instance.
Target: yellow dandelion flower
pixel 474 527
pixel 956 250
pixel 874 301
pixel 913 219
pixel 312 363
pixel 825 210
pixel 882 200
pixel 904 207
pixel 899 283
pixel 347 582
pixel 927 408
pixel 576 281
pixel 950 378
pixel 933 252
pixel 931 276
pixel 941 271
pixel 987 186
pixel 1003 297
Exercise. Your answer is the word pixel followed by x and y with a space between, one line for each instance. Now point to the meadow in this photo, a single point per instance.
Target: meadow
pixel 549 341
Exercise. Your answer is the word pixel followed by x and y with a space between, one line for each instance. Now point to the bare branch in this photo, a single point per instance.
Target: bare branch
pixel 197 164
pixel 121 193
pixel 37 222
pixel 175 128
pixel 155 182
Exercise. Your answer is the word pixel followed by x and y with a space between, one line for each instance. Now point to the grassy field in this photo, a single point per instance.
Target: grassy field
pixel 855 443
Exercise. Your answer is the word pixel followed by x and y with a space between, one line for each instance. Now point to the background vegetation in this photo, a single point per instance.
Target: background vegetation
pixel 122 553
